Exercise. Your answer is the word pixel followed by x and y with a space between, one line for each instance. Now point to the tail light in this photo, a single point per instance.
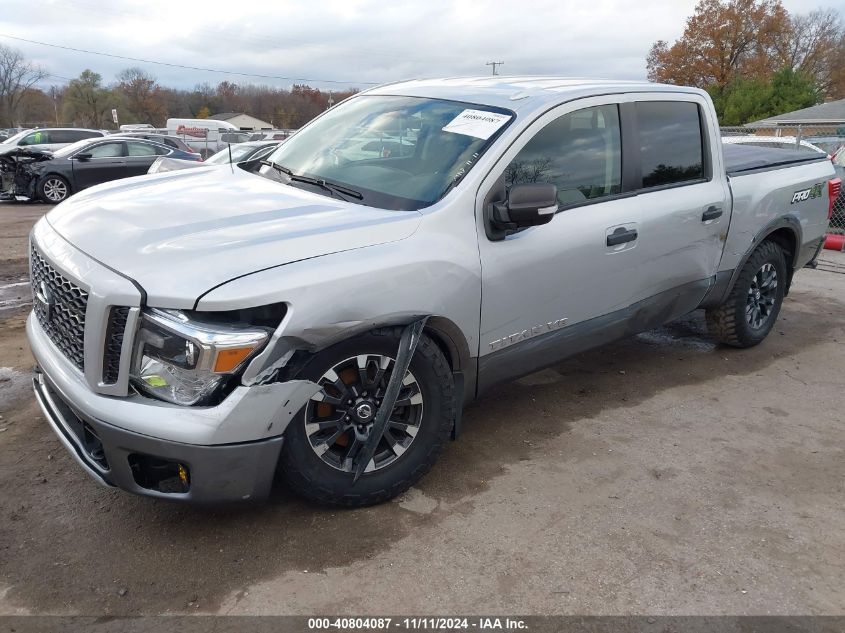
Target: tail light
pixel 834 187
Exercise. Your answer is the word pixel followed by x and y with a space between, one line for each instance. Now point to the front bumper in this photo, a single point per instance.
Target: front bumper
pixel 229 450
pixel 115 457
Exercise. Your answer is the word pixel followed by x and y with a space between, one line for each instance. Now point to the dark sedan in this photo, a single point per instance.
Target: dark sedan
pixel 90 162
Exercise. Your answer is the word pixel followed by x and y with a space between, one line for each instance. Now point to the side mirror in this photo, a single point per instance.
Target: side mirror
pixel 82 156
pixel 526 205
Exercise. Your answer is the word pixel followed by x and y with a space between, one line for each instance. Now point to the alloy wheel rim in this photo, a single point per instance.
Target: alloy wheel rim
pixel 55 190
pixel 762 294
pixel 340 417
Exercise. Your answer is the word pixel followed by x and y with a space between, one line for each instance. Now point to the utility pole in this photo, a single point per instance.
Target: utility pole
pixel 53 92
pixel 494 64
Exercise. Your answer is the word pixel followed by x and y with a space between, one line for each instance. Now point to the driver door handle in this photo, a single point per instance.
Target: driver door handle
pixel 711 214
pixel 621 235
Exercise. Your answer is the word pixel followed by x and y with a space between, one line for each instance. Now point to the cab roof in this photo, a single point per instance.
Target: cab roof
pixel 519 93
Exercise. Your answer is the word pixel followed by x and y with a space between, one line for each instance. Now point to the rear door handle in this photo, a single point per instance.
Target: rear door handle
pixel 711 214
pixel 621 235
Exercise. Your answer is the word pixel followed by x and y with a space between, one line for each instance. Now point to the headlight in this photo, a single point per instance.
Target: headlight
pixel 184 361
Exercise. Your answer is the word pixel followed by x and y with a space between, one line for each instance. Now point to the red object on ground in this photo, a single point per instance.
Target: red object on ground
pixel 834 188
pixel 834 242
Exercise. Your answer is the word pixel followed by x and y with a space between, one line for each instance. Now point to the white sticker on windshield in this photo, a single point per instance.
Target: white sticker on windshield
pixel 477 123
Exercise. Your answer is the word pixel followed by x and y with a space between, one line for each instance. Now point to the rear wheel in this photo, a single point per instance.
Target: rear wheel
pixel 748 314
pixel 321 443
pixel 53 189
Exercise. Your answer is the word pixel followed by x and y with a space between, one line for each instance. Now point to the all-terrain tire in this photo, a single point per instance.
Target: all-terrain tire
pixel 310 477
pixel 729 323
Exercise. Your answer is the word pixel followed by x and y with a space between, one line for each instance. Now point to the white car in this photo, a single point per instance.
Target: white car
pixel 49 138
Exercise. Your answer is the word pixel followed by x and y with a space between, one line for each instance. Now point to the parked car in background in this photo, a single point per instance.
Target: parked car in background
pixel 171 141
pixel 54 176
pixel 137 127
pixel 50 138
pixel 271 135
pixel 247 155
pixel 203 136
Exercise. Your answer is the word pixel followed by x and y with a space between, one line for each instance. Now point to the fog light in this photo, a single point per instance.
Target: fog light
pixel 162 475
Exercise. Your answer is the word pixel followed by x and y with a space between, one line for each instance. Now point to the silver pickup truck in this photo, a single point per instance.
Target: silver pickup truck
pixel 197 332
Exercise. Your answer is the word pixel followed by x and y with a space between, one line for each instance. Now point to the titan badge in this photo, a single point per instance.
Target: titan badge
pixel 516 337
pixel 44 301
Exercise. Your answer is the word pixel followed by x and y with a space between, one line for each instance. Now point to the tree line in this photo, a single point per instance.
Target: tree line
pixel 87 101
pixel 754 58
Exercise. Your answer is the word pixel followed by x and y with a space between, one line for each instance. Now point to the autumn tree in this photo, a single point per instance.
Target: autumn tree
pixel 142 96
pixel 227 94
pixel 17 78
pixel 721 41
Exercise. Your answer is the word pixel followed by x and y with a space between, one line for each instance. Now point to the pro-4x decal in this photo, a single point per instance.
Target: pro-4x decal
pixel 806 194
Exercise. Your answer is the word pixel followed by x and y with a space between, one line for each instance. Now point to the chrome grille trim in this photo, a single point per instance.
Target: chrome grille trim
pixel 113 346
pixel 60 307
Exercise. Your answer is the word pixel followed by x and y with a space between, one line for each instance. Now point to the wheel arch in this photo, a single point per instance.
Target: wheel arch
pixel 786 232
pixel 445 333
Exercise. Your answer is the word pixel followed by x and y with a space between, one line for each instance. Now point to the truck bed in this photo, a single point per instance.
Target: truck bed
pixel 745 159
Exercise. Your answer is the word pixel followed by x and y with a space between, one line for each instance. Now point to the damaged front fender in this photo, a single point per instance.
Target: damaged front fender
pixel 20 169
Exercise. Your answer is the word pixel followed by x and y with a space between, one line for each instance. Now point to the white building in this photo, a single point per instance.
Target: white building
pixel 242 121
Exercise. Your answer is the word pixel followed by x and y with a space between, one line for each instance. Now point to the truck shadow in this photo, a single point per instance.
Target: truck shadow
pixel 70 546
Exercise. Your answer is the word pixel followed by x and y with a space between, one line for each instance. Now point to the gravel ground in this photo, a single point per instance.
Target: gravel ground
pixel 662 475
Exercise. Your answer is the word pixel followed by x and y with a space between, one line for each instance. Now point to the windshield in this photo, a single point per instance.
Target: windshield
pixel 239 152
pixel 14 139
pixel 399 153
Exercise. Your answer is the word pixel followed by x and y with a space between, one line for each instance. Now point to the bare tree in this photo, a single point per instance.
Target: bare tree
pixel 17 76
pixel 813 46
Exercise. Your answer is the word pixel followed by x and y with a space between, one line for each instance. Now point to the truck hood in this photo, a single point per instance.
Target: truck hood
pixel 179 234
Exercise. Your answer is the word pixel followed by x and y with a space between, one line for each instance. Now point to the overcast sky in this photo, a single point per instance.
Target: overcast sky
pixel 349 41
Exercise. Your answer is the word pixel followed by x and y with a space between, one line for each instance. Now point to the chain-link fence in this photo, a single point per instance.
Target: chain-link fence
pixel 809 138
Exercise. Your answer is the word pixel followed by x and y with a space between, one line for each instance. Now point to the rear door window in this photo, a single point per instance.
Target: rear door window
pixel 78 135
pixel 671 146
pixel 142 149
pixel 62 136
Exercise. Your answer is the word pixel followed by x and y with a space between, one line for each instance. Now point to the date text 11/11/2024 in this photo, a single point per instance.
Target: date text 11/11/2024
pixel 417 624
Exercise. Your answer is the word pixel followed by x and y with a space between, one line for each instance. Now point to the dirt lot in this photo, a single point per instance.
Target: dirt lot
pixel 664 475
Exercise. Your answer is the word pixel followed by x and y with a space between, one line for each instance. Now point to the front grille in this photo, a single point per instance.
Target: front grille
pixel 60 307
pixel 114 344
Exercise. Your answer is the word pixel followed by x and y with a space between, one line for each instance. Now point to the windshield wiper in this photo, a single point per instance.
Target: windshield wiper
pixel 319 182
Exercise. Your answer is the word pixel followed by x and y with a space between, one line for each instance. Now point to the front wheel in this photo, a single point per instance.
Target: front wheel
pixel 748 314
pixel 53 189
pixel 321 443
